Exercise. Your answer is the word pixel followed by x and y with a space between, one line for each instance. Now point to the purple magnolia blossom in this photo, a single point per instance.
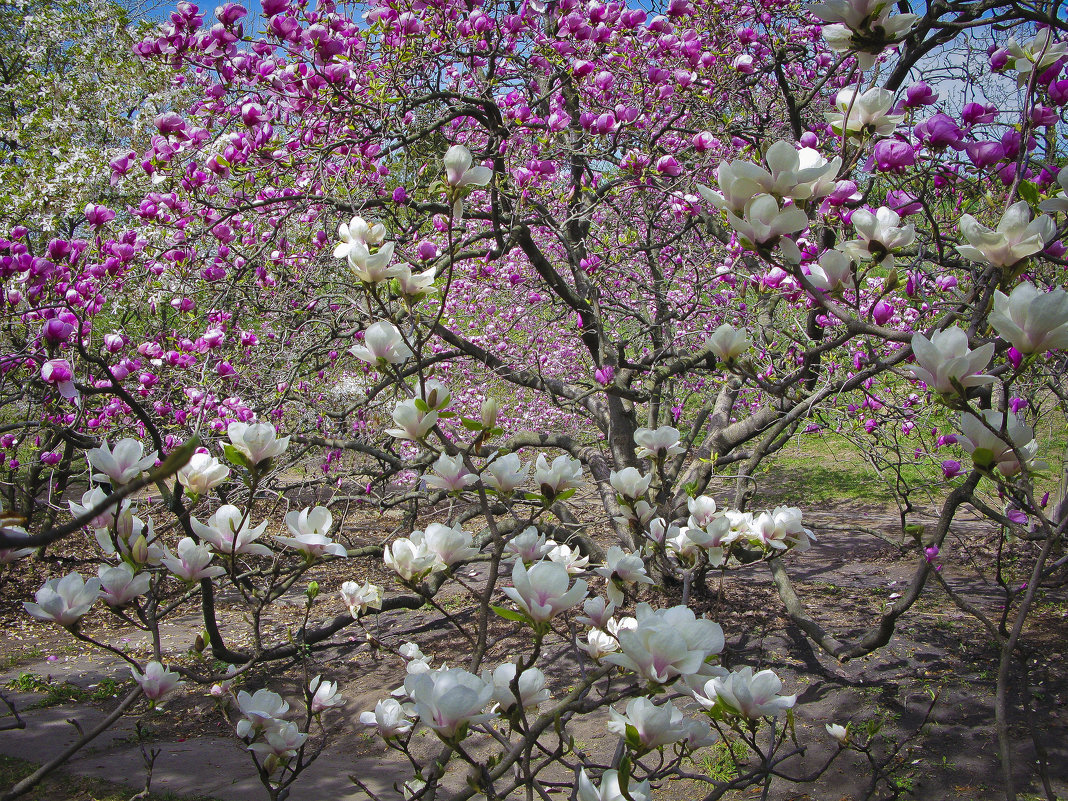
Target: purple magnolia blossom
pixel 882 312
pixel 939 132
pixel 894 155
pixel 1044 116
pixel 977 113
pixel 1058 92
pixel 984 154
pixel 55 331
pixel 903 202
pixel 919 94
pixel 97 215
pixel 667 165
pixel 950 469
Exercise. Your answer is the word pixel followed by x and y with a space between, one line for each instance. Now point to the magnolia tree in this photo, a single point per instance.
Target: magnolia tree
pixel 471 259
pixel 74 97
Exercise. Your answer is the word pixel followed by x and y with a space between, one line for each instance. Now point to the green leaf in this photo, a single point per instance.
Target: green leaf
pixel 563 496
pixel 471 425
pixel 234 456
pixel 420 404
pixel 509 614
pixel 1029 192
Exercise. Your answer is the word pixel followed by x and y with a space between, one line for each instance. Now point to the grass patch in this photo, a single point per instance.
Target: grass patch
pixel 64 692
pixel 60 786
pixel 719 761
pixel 11 661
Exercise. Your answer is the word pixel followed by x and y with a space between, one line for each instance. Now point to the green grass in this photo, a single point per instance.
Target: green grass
pixel 61 786
pixel 64 692
pixel 11 661
pixel 830 468
pixel 717 761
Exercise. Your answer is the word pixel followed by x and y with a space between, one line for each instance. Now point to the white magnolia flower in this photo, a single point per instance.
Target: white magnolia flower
pixel 450 474
pixel 610 789
pixel 64 600
pixel 459 172
pixel 324 695
pixel 945 359
pixel 657 444
pixel 834 271
pixel 531 688
pixel 281 741
pixel 880 235
pixel 411 558
pixel 542 591
pixel 1031 320
pixel 660 531
pixel 989 448
pixel 505 473
pixel 727 343
pixel 448 543
pixel 764 225
pixel 599 644
pixel 655 726
pixel 790 173
pixel 229 532
pixel 261 710
pixel 765 532
pixel 867 113
pixel 626 567
pixel 630 483
pixel 865 27
pixel 257 441
pixel 449 700
pixel 751 696
pixel 202 473
pixel 702 510
pixel 309 529
pixel 357 231
pixel 688 542
pixel 529 545
pixel 382 342
pixel 156 681
pixel 373 268
pixel 120 585
pixel 573 561
pixel 413 423
pixel 415 285
pixel 837 731
pixel 1016 237
pixel 389 718
pixel 1040 54
pixel 121 465
pixel 361 597
pixel 192 562
pixel 596 612
pixel 667 643
pixel 90 500
pixel 564 474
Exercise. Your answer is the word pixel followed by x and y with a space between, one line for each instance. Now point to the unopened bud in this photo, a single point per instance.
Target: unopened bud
pixel 313 590
pixel 490 408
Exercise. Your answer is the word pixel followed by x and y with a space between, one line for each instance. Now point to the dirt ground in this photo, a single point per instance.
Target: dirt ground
pixel 925 700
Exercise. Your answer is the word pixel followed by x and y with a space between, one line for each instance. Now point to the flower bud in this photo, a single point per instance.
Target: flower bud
pixel 490 408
